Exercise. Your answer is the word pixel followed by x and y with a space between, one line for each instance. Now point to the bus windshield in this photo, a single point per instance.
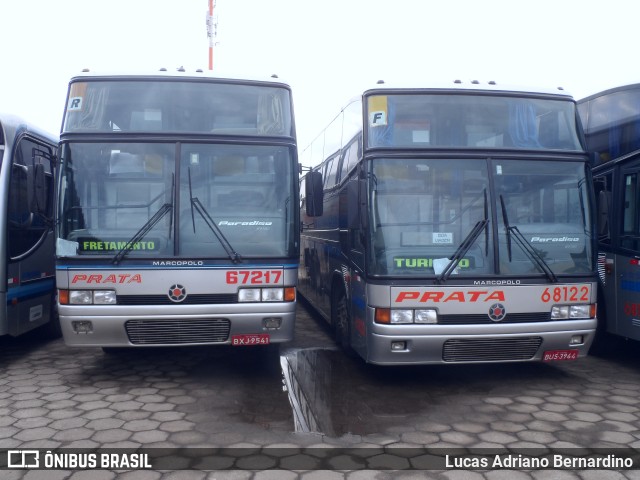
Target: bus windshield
pixel 238 195
pixel 471 121
pixel 424 211
pixel 178 106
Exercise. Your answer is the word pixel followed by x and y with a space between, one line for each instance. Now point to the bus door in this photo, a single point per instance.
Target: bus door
pixel 352 241
pixel 627 261
pixel 30 246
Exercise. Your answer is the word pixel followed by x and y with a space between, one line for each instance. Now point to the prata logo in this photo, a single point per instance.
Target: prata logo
pixel 177 293
pixel 497 312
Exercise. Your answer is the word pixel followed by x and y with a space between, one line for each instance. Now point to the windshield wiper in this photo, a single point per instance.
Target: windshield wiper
pixel 198 207
pixel 528 249
pixel 467 243
pixel 140 234
pixel 146 228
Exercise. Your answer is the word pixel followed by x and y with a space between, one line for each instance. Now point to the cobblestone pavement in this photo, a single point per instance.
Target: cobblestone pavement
pixel 328 416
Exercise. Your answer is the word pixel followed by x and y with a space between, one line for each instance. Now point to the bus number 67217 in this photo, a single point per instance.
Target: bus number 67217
pixel 253 276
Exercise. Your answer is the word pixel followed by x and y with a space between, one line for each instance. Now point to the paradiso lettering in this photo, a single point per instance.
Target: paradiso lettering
pixel 459 296
pixel 112 278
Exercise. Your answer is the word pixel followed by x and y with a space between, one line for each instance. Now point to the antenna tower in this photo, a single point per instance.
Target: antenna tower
pixel 212 30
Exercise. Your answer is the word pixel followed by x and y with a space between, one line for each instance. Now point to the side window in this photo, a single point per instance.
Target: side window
pixel 630 215
pixel 603 189
pixel 350 159
pixel 330 172
pixel 25 228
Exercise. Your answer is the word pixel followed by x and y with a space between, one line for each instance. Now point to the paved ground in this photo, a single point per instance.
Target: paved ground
pixel 311 412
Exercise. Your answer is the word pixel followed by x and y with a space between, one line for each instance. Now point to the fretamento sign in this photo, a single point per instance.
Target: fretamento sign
pixel 115 245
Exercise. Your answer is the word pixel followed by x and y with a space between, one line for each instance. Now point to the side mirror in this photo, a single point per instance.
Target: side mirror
pixel 315 195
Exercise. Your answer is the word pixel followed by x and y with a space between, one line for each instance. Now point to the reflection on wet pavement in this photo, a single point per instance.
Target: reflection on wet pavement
pixel 333 394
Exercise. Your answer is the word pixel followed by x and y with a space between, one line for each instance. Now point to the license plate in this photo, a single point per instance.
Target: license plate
pixel 556 355
pixel 250 339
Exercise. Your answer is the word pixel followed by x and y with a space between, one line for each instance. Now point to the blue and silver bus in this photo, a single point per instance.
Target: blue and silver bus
pixel 27 245
pixel 611 121
pixel 177 219
pixel 452 224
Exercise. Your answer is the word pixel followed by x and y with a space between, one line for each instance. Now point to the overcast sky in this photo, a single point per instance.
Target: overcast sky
pixel 326 50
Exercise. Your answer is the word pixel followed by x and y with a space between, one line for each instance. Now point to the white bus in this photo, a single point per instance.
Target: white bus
pixel 176 218
pixel 452 224
pixel 27 261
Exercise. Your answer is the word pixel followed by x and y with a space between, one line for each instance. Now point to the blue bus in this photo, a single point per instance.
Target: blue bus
pixel 611 121
pixel 27 242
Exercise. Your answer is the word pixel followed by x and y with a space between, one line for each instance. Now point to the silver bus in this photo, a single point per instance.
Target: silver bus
pixel 611 121
pixel 451 224
pixel 175 216
pixel 27 261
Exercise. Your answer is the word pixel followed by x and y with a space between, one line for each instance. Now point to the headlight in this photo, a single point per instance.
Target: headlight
pixel 559 312
pixel 80 297
pixel 92 297
pixel 401 316
pixel 426 316
pixel 279 294
pixel 563 312
pixel 104 297
pixel 249 295
pixel 272 294
pixel 394 316
pixel 580 311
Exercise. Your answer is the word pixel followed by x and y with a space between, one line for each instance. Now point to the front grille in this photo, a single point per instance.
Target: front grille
pixel 178 332
pixel 490 349
pixel 477 319
pixel 190 300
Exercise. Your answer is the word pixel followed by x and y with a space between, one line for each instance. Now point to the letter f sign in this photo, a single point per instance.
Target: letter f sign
pixel 377 118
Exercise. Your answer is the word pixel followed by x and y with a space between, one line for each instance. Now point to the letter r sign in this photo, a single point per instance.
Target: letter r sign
pixel 75 103
pixel 377 118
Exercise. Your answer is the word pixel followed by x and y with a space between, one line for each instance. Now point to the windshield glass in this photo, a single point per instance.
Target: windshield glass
pixel 547 201
pixel 424 211
pixel 246 191
pixel 113 193
pixel 178 106
pixel 472 121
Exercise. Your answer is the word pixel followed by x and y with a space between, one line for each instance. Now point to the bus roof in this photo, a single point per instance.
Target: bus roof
pixel 11 124
pixel 472 85
pixel 609 91
pixel 179 73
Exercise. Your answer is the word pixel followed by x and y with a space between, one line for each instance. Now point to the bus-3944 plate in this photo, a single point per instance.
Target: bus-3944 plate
pixel 556 355
pixel 250 339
